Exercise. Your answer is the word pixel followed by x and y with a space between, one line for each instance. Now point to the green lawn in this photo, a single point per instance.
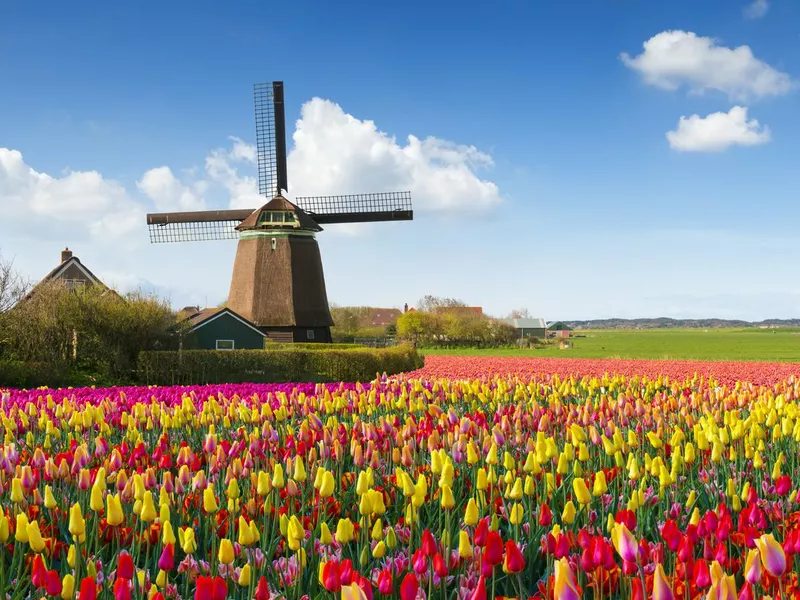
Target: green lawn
pixel 779 345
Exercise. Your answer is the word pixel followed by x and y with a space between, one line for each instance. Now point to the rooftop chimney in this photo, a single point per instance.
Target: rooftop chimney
pixel 66 254
pixel 405 308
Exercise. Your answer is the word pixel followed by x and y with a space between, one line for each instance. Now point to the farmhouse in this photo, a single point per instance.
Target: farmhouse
pixel 72 273
pixel 528 328
pixel 219 329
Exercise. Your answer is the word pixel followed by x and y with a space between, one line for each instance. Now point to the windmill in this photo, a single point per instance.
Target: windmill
pixel 278 282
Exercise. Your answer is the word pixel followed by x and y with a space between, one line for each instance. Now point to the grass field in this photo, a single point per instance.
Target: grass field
pixel 779 345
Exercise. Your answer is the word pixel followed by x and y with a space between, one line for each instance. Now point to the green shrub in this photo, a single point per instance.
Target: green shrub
pixel 289 364
pixel 18 374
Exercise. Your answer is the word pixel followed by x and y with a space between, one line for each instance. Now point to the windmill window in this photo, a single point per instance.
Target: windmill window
pixel 269 217
pixel 225 345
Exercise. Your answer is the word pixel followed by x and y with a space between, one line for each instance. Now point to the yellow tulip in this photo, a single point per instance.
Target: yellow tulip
pixel 464 545
pixel 149 512
pixel 21 533
pixel 244 576
pixel 114 514
pixel 226 554
pixel 35 537
pixel 77 524
pixel 582 493
pixel 210 501
pixel 68 587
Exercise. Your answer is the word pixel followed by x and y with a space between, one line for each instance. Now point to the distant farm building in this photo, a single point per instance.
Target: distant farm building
pixel 528 328
pixel 559 330
pixel 382 317
pixel 219 329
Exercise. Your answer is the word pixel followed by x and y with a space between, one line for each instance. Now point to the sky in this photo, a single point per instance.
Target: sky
pixel 584 159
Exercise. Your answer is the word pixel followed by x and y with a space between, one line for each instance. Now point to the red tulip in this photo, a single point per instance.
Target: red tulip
pixel 672 535
pixel 685 550
pixel 480 590
pixel 125 565
pixel 38 572
pixel 365 585
pixel 545 515
pixel 419 562
pixel 122 589
pixel 747 592
pixel 409 587
pixel 166 562
pixel 626 517
pixel 428 543
pixel 346 572
pixel 89 589
pixel 701 574
pixel 220 590
pixel 385 583
pixel 515 561
pixel 494 548
pixel 636 589
pixel 481 532
pixel 262 590
pixel 562 546
pixel 439 566
pixel 330 576
pixel 204 588
pixel 486 567
pixel 783 486
pixel 587 561
pixel 53 583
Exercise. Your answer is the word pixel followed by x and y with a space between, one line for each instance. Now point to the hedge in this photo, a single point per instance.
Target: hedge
pixel 309 346
pixel 26 375
pixel 321 364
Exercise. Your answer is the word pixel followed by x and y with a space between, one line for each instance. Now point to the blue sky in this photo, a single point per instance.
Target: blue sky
pixel 594 214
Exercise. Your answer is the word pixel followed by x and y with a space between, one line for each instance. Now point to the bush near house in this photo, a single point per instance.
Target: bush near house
pixel 193 367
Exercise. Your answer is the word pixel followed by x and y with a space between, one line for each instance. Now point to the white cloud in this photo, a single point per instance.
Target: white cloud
pixel 168 193
pixel 717 132
pixel 83 200
pixel 336 153
pixel 756 9
pixel 672 59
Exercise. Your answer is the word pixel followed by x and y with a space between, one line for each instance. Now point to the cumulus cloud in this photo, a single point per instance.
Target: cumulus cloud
pixel 170 194
pixel 756 9
pixel 674 59
pixel 88 203
pixel 336 153
pixel 717 132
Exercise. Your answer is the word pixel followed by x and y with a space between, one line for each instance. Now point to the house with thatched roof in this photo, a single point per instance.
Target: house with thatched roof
pixel 73 273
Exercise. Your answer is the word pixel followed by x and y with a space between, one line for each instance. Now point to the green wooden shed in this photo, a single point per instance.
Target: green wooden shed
pixel 221 329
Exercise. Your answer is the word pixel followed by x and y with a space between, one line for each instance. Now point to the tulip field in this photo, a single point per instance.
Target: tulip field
pixel 472 478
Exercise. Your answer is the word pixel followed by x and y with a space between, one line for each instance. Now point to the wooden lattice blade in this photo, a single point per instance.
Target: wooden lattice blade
pixel 196 226
pixel 358 208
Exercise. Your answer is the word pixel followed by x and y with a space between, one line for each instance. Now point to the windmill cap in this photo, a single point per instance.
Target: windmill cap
pixel 279 204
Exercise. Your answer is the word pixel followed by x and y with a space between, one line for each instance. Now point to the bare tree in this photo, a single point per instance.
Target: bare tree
pixel 519 313
pixel 12 285
pixel 429 303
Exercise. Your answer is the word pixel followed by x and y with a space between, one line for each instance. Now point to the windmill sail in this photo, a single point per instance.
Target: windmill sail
pixel 270 139
pixel 197 226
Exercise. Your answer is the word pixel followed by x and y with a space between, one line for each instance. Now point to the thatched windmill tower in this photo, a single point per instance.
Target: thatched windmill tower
pixel 278 282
